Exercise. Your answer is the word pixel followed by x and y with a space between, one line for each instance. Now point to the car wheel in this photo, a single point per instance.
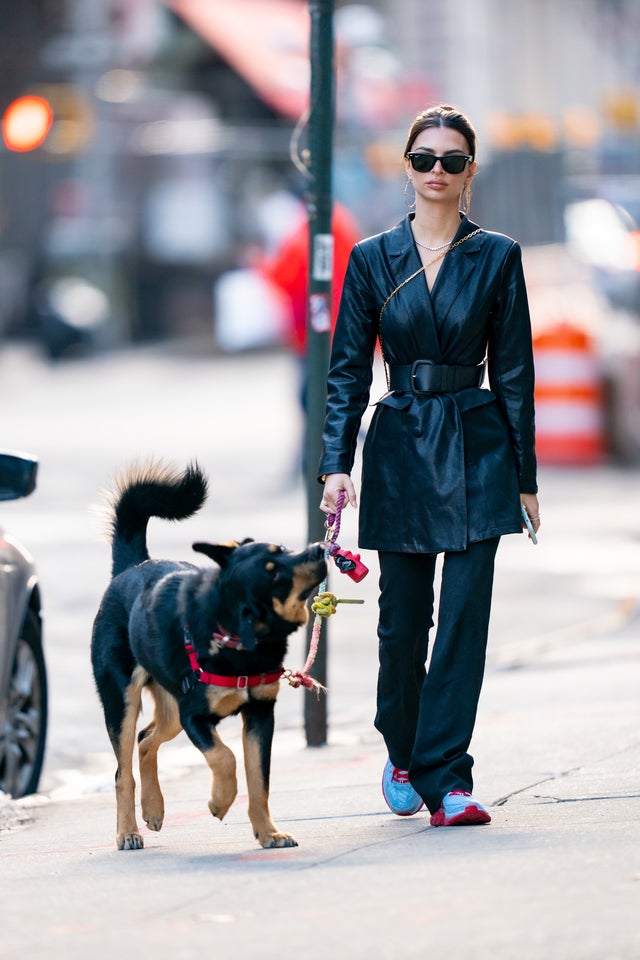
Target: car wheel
pixel 25 727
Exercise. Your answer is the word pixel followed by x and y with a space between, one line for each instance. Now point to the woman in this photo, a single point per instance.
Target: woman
pixel 447 466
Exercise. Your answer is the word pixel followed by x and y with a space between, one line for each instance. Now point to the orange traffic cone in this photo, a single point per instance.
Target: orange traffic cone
pixel 569 397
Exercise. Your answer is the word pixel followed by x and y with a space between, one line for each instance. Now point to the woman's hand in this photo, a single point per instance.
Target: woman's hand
pixel 530 502
pixel 334 484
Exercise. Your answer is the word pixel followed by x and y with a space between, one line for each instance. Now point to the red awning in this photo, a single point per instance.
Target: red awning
pixel 265 41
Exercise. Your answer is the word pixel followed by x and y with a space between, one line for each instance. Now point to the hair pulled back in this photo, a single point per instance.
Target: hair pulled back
pixel 442 115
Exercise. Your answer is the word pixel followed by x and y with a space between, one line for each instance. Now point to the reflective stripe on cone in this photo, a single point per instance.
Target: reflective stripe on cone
pixel 569 397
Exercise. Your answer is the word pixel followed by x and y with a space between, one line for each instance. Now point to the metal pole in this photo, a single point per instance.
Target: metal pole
pixel 319 210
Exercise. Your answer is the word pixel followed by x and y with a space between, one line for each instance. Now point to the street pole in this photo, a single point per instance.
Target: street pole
pixel 319 211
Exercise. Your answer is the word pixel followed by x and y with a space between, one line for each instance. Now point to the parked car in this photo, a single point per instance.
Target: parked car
pixel 23 674
pixel 604 233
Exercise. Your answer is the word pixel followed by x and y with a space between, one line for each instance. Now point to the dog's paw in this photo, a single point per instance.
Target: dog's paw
pixel 129 841
pixel 152 805
pixel 154 822
pixel 219 808
pixel 271 840
pixel 222 796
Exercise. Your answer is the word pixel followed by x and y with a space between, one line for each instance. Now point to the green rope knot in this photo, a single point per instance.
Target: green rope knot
pixel 325 604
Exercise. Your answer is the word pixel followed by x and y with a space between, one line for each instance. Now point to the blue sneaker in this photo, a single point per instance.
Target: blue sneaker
pixel 459 808
pixel 400 796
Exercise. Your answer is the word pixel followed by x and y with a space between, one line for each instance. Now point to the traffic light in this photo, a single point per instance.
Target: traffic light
pixel 26 123
pixel 57 116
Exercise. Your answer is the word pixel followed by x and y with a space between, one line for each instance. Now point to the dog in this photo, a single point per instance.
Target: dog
pixel 206 644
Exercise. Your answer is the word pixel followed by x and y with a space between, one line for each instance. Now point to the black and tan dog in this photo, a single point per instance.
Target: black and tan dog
pixel 205 643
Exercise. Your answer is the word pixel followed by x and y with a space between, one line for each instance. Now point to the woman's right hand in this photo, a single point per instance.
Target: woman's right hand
pixel 334 484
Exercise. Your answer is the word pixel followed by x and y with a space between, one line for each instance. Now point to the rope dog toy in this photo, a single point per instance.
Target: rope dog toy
pixel 325 603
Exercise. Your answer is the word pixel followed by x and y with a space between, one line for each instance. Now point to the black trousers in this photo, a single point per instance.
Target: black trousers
pixel 427 718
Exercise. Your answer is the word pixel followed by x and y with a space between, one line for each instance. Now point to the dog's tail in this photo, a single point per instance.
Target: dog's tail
pixel 147 490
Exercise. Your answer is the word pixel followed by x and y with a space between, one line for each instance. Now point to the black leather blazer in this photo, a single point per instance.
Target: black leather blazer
pixel 439 470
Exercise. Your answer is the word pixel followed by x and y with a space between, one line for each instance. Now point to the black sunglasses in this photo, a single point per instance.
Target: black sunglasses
pixel 424 162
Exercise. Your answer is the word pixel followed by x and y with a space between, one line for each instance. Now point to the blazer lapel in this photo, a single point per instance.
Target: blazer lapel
pixel 404 261
pixel 455 272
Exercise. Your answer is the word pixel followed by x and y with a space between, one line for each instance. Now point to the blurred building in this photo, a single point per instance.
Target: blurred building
pixel 148 184
pixel 543 59
pixel 552 86
pixel 175 152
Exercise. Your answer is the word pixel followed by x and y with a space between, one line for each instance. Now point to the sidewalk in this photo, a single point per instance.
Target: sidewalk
pixel 556 875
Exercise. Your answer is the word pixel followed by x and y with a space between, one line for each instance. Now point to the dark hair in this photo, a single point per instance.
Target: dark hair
pixel 442 115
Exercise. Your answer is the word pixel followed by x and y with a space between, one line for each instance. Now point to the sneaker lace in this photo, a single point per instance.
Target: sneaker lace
pixel 400 776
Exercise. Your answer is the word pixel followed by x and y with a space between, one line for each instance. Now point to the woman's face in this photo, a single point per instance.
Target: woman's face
pixel 437 185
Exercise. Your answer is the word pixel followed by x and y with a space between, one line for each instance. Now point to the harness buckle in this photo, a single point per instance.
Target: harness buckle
pixel 242 683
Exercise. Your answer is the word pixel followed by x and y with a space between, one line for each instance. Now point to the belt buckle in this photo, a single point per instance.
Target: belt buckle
pixel 414 368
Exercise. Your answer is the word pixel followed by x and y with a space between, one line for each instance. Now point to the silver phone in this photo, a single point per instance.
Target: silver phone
pixel 528 524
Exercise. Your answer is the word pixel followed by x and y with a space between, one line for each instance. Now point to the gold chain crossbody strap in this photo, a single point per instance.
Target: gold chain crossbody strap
pixel 408 280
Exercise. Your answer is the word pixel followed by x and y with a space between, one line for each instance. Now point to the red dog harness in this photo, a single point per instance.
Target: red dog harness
pixel 220 680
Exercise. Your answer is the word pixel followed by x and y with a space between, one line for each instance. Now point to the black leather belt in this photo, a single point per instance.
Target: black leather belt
pixel 424 376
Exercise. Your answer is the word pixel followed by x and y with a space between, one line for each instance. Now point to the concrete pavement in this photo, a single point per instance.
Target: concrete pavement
pixel 556 875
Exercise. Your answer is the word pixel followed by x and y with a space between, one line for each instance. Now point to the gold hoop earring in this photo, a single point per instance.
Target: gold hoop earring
pixel 410 205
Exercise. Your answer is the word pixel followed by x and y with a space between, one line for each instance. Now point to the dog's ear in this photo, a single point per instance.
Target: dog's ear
pixel 218 552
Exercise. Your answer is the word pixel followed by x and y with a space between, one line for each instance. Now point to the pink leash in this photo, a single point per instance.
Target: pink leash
pixel 301 677
pixel 347 562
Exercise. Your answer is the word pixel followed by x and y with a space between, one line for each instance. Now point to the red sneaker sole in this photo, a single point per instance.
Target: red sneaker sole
pixel 468 817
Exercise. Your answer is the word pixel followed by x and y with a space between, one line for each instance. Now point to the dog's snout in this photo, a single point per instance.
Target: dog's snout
pixel 316 551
